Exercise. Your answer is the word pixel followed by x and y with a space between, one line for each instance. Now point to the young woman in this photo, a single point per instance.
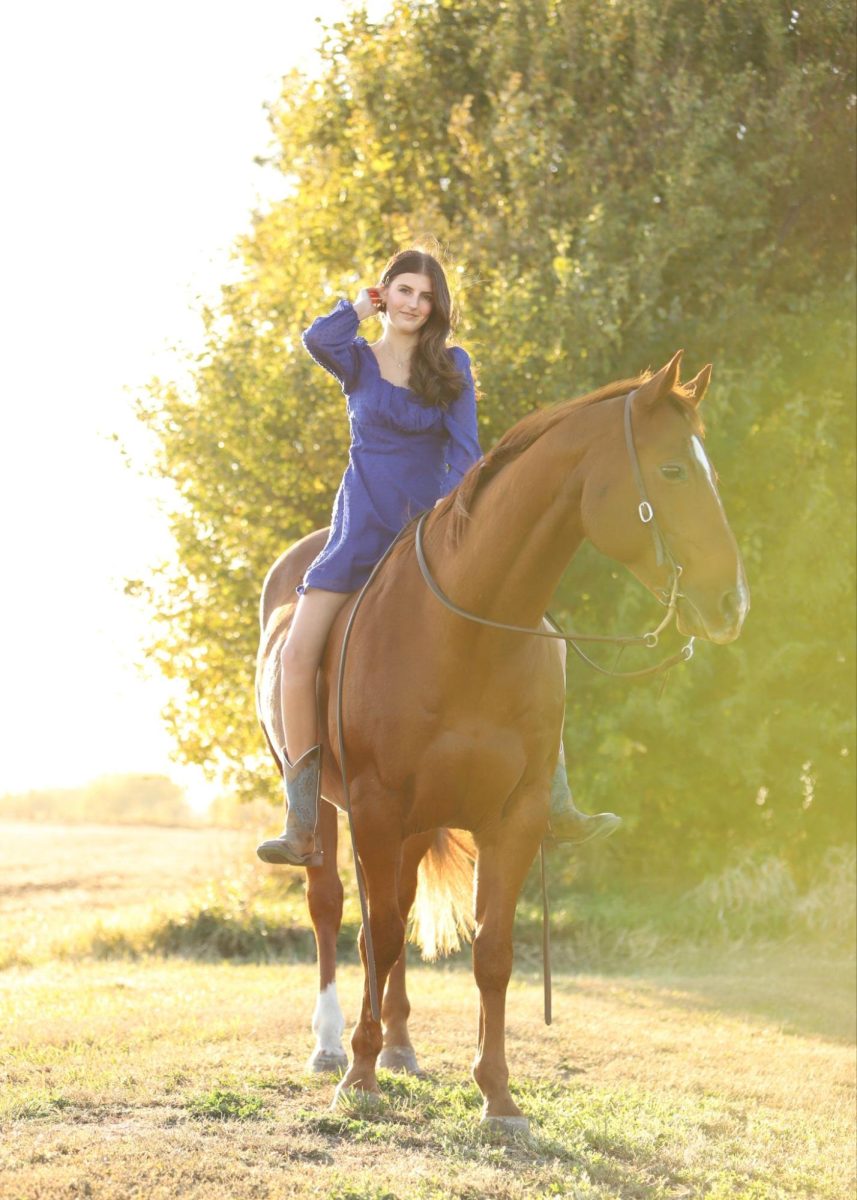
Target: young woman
pixel 412 410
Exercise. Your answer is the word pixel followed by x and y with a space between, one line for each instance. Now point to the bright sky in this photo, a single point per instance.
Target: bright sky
pixel 128 139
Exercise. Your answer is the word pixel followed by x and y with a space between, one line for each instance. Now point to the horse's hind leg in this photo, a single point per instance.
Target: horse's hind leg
pixel 398 1053
pixel 324 899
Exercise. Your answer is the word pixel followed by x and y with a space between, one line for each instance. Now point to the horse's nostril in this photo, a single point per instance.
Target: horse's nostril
pixel 730 604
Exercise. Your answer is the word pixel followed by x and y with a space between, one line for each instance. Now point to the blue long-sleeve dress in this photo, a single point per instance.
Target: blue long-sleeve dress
pixel 404 455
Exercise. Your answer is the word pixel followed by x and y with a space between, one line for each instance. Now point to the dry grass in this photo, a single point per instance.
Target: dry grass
pixel 117 1079
pixel 48 869
pixel 69 890
pixel 165 1078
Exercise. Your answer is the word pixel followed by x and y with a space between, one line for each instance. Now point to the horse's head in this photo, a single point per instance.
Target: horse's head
pixel 679 483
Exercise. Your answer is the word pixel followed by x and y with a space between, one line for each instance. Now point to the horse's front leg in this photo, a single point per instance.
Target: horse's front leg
pixel 505 854
pixel 380 854
pixel 324 899
pixel 397 1053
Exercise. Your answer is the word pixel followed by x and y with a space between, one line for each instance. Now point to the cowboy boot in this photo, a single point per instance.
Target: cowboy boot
pixel 567 823
pixel 297 845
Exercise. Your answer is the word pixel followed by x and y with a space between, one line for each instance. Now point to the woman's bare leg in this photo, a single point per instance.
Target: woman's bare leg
pixel 298 845
pixel 300 656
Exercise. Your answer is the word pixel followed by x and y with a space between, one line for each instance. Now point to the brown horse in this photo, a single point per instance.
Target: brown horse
pixel 451 725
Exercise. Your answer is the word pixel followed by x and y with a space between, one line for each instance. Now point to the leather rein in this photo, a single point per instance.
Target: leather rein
pixel 669 596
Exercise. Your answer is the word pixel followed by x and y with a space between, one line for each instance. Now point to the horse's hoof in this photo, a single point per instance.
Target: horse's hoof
pixel 506 1127
pixel 328 1062
pixel 401 1059
pixel 355 1098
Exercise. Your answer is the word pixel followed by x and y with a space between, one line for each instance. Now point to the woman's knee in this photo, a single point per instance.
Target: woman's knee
pixel 304 645
pixel 298 659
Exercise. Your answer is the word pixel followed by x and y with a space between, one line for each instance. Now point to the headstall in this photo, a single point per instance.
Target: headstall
pixel 669 596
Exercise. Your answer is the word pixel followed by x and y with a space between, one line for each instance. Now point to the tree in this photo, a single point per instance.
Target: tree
pixel 612 182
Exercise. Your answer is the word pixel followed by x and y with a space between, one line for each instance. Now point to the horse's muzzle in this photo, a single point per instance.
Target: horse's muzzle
pixel 720 623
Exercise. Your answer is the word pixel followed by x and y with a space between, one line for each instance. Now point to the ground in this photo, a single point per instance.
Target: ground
pixel 163 1077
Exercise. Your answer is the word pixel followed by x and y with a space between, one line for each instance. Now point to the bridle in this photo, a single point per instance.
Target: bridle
pixel 668 596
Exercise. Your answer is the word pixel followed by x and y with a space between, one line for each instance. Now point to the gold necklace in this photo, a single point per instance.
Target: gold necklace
pixel 403 366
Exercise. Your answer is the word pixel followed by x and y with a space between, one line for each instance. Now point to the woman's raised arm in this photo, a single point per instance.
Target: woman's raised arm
pixel 330 339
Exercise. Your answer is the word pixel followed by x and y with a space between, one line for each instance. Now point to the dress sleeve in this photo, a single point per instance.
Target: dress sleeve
pixel 330 341
pixel 463 448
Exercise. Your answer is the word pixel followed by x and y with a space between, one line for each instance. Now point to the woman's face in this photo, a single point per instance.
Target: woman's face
pixel 409 302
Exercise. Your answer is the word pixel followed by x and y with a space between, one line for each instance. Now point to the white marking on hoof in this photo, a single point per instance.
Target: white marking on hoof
pixel 507 1127
pixel 328 1025
pixel 401 1059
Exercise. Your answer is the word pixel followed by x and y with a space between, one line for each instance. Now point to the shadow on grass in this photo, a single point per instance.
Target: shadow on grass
pixel 793 985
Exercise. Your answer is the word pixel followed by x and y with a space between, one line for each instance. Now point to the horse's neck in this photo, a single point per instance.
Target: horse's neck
pixel 524 529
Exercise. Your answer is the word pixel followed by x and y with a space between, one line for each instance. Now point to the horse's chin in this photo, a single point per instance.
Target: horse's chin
pixel 722 637
pixel 691 623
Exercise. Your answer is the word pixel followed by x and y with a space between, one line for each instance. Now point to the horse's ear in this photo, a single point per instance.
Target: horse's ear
pixel 697 387
pixel 662 383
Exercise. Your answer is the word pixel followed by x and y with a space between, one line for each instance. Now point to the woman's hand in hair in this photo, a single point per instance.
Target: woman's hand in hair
pixel 370 301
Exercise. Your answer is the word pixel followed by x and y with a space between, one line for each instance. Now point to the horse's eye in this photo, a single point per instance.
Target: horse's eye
pixel 673 471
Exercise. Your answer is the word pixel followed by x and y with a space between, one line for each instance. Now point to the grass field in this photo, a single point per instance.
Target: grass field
pixel 127 1074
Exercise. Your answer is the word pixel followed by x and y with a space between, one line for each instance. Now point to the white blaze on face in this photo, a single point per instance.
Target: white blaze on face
pixel 328 1023
pixel 703 460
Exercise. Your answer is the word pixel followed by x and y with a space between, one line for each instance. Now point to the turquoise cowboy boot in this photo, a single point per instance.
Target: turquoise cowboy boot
pixel 298 845
pixel 567 823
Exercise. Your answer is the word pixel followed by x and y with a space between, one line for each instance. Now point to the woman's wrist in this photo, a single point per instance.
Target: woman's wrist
pixel 364 307
pixel 369 302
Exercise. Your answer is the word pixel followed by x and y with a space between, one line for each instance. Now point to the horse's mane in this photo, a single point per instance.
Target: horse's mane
pixel 457 505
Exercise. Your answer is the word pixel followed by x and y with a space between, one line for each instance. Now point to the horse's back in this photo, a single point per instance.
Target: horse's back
pixel 276 608
pixel 286 573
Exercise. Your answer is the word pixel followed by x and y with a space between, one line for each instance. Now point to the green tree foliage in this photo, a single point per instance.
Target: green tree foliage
pixel 612 181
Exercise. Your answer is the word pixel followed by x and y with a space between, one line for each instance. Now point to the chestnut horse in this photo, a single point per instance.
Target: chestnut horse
pixel 454 726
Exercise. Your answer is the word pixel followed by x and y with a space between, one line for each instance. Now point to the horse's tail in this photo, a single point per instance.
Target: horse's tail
pixel 442 914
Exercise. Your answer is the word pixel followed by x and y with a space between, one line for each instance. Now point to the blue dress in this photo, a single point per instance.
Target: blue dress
pixel 403 457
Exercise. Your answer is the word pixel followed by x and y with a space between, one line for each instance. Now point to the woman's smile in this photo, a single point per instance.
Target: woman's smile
pixel 409 299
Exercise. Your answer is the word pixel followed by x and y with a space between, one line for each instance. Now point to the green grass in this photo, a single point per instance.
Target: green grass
pixel 158 1049
pixel 222 1104
pixel 647 1087
pixel 227 905
pixel 631 1144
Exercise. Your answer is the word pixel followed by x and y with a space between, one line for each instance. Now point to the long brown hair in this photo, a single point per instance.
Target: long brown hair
pixel 434 376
